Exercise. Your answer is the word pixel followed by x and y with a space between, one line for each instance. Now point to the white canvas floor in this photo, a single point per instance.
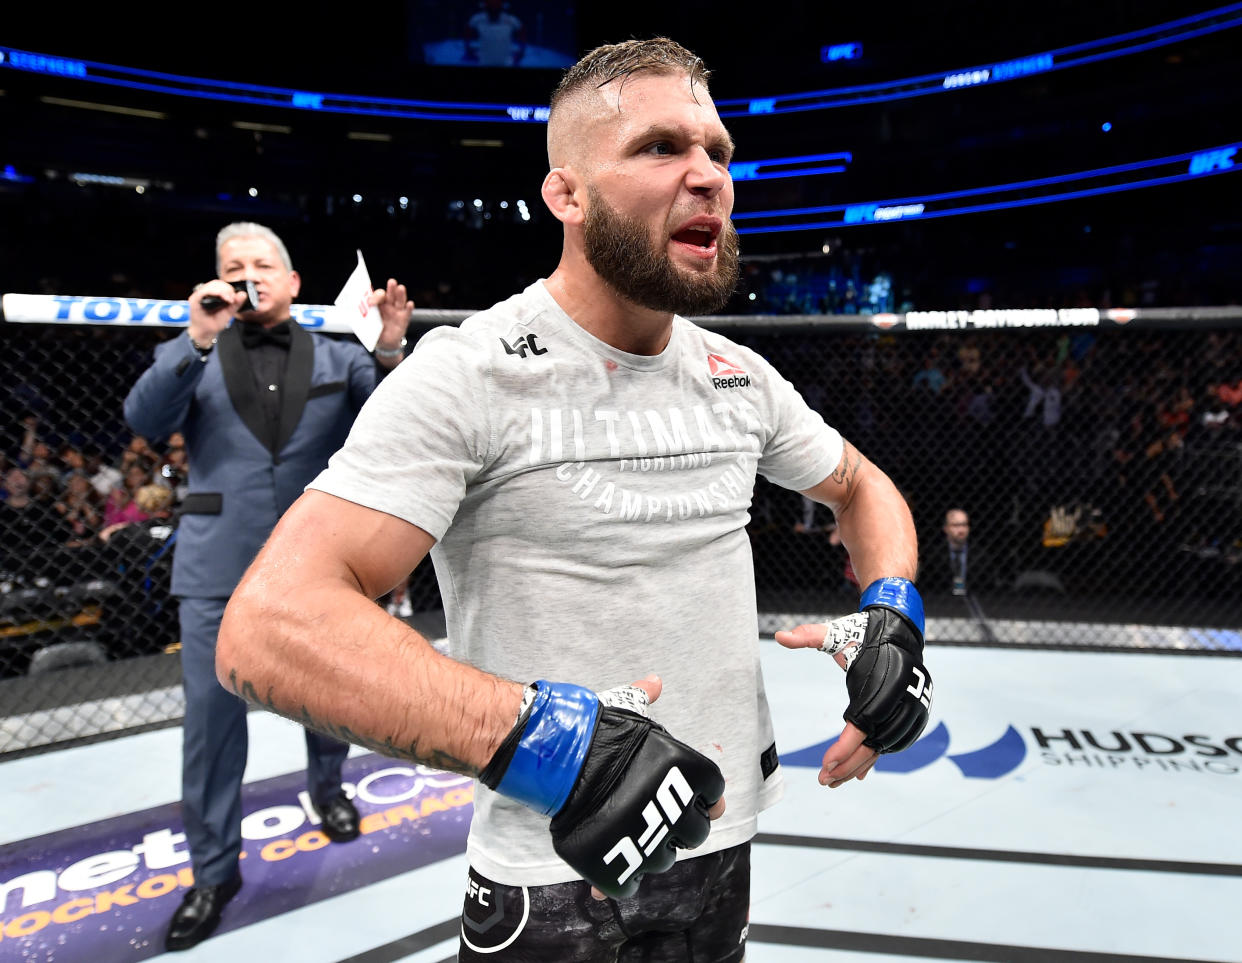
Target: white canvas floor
pixel 1066 806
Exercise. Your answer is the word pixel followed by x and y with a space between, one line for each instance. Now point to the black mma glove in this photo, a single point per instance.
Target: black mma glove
pixel 890 689
pixel 622 792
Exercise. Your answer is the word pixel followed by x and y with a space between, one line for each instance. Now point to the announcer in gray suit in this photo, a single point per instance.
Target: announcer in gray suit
pixel 262 404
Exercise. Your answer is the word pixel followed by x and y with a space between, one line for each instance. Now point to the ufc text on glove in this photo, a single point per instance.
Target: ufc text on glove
pixel 890 689
pixel 622 793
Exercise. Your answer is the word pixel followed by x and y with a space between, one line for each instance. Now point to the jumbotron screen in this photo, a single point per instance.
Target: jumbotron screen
pixel 494 33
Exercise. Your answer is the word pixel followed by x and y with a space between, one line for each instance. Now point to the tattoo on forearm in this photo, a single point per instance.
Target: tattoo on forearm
pixel 434 758
pixel 847 469
pixel 245 689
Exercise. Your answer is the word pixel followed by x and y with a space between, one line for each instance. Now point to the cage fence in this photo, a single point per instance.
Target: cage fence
pixel 1099 464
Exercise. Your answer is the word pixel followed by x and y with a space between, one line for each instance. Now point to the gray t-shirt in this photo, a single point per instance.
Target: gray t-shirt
pixel 590 510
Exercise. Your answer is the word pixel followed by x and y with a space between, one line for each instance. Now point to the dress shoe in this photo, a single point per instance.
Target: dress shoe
pixel 340 819
pixel 199 914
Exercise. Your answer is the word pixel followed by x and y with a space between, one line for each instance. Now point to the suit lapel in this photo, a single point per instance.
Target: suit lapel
pixel 240 382
pixel 298 370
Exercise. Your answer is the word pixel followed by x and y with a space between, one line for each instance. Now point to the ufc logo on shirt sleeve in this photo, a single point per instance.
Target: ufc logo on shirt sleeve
pixel 660 813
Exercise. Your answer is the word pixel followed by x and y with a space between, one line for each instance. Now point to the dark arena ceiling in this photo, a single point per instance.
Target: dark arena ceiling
pixel 903 110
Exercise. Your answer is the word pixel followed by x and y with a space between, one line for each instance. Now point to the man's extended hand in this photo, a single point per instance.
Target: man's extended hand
pixel 889 687
pixel 847 758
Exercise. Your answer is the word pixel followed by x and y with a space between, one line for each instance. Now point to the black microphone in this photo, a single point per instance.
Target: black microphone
pixel 213 302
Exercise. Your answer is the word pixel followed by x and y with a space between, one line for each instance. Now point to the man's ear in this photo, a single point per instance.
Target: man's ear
pixel 560 193
pixel 295 283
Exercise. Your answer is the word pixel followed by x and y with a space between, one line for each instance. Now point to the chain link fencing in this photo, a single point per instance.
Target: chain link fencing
pixel 1100 466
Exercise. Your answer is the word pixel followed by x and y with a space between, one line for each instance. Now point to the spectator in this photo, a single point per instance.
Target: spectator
pixel 71 460
pixel 104 477
pixel 1175 413
pixel 1215 424
pixel 1230 392
pixel 36 456
pixel 1144 459
pixel 139 556
pixel 81 507
pixel 955 565
pixel 138 452
pixel 120 507
pixel 75 520
pixel 154 503
pixel 929 377
pixel 21 522
pixel 1044 399
pixel 174 470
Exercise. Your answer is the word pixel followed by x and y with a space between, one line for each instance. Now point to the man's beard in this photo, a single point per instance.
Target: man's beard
pixel 622 253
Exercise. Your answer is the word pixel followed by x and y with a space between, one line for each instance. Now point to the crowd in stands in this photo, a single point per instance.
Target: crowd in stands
pixel 1102 255
pixel 1095 452
pixel 1132 434
pixel 811 284
pixel 63 502
pixel 1114 456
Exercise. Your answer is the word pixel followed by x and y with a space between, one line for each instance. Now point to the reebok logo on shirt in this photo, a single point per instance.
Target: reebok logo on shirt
pixel 725 374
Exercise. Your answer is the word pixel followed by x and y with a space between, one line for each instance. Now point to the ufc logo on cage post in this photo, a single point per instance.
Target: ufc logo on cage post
pixel 660 813
pixel 523 344
pixel 921 687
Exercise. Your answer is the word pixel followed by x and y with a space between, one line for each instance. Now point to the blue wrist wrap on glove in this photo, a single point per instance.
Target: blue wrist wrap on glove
pixel 898 594
pixel 552 748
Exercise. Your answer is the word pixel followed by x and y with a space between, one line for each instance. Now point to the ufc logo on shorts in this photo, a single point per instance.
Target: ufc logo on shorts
pixel 921 687
pixel 478 893
pixel 660 813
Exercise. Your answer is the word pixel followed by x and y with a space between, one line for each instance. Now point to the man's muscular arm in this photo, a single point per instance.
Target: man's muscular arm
pixel 881 648
pixel 872 517
pixel 302 637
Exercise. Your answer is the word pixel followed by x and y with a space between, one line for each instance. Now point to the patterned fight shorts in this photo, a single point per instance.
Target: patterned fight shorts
pixel 696 912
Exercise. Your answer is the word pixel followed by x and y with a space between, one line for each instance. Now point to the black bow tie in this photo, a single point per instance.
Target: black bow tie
pixel 254 335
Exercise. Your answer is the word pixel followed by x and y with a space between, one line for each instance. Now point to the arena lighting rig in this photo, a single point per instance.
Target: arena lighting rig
pixel 1075 55
pixel 1156 172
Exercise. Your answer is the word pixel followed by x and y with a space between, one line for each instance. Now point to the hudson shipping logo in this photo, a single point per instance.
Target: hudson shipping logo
pixel 1115 749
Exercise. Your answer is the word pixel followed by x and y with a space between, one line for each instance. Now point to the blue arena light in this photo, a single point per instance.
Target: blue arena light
pixel 11 174
pixel 1212 161
pixel 1177 168
pixel 1135 41
pixel 1075 55
pixel 840 51
pixel 799 166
